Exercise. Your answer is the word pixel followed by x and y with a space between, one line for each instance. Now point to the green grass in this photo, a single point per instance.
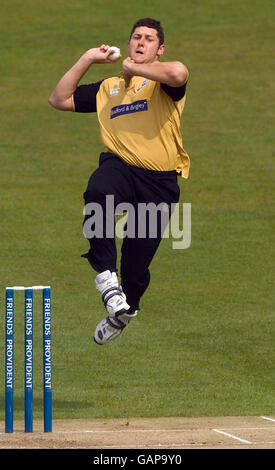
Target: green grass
pixel 203 343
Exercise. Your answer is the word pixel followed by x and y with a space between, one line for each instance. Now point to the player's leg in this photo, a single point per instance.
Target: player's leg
pixel 136 256
pixel 156 191
pixel 108 186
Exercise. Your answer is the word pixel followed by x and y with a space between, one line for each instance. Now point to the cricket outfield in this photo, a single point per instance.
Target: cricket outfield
pixel 202 346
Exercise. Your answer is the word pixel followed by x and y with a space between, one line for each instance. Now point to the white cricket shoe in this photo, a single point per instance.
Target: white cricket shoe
pixel 112 295
pixel 115 303
pixel 111 327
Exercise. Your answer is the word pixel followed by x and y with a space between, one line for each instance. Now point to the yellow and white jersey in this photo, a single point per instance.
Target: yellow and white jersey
pixel 141 123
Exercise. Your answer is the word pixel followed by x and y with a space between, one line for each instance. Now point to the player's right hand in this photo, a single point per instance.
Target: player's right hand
pixel 100 55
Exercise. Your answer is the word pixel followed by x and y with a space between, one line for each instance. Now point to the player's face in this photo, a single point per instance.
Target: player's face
pixel 144 46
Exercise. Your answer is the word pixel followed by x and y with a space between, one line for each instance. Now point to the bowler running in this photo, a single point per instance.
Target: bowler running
pixel 139 114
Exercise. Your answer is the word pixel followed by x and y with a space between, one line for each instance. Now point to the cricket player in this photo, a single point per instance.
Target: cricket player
pixel 139 115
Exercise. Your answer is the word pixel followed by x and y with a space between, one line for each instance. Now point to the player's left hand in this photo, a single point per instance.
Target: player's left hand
pixel 127 70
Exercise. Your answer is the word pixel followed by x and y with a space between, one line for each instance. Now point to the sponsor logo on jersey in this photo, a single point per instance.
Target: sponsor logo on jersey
pixel 143 85
pixel 130 108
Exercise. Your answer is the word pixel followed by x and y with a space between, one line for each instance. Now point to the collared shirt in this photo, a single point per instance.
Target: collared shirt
pixel 141 123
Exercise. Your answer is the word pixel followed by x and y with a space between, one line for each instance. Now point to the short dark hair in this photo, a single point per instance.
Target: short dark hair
pixel 150 23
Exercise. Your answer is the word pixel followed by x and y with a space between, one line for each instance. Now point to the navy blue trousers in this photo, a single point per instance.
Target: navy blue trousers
pixel 132 185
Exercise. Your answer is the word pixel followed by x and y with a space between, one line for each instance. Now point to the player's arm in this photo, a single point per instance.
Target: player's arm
pixel 174 74
pixel 61 97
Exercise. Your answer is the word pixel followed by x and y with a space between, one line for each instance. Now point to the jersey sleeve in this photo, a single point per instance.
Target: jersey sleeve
pixel 84 98
pixel 176 93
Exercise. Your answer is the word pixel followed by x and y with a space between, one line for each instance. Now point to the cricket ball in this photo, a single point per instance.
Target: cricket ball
pixel 115 55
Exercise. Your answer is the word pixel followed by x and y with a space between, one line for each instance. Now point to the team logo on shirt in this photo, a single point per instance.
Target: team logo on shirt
pixel 130 108
pixel 114 91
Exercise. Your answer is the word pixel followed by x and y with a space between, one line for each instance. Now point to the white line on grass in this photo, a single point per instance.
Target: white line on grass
pixel 145 446
pixel 232 436
pixel 249 429
pixel 268 419
pixel 110 431
pixel 104 431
